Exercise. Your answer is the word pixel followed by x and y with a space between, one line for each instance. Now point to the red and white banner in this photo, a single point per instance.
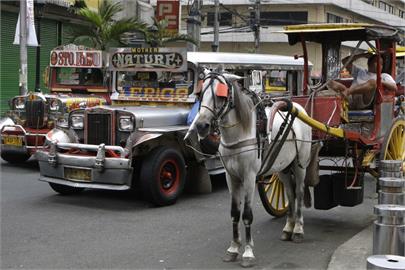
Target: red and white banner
pixel 76 58
pixel 31 34
pixel 169 10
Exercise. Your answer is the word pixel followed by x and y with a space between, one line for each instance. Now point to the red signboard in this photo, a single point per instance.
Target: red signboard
pixel 169 10
pixel 76 58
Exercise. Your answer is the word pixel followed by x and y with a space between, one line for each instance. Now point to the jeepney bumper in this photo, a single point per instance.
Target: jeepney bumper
pixel 15 139
pixel 97 172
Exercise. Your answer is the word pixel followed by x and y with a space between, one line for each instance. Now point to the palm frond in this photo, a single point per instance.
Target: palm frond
pixel 90 16
pixel 108 10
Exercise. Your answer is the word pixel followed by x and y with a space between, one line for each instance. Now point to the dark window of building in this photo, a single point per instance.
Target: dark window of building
pixel 282 18
pixel 386 7
pixel 225 18
pixel 332 18
pixel 401 13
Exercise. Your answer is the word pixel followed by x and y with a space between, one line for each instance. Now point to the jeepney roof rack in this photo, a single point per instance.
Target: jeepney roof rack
pixel 325 33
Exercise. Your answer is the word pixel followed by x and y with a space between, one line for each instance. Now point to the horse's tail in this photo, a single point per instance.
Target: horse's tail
pixel 307 197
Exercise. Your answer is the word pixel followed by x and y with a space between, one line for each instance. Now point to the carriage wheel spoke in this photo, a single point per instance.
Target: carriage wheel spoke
pixel 279 190
pixel 273 191
pixel 283 199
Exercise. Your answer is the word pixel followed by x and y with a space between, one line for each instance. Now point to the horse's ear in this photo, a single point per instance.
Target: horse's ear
pixel 222 90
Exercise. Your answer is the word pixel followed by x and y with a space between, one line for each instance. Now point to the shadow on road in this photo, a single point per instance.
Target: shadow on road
pixel 30 165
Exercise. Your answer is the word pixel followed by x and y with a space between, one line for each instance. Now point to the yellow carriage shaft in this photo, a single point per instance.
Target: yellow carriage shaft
pixel 337 132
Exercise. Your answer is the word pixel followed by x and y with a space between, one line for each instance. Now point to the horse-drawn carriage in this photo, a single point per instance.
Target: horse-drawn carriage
pixel 281 155
pixel 359 138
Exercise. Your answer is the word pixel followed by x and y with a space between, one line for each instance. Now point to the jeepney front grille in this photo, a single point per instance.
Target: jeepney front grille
pixel 99 128
pixel 35 113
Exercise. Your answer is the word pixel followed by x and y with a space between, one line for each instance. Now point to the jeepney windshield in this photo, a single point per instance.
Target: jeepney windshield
pixel 127 81
pixel 79 76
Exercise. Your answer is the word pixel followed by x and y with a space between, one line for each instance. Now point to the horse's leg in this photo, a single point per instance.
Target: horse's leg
pixel 234 186
pixel 286 179
pixel 248 258
pixel 298 233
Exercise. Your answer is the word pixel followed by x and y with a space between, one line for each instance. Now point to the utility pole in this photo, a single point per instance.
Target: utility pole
pixel 194 25
pixel 257 25
pixel 23 48
pixel 215 44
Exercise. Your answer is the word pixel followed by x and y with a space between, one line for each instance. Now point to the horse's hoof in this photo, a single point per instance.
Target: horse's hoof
pixel 230 257
pixel 297 237
pixel 248 262
pixel 286 236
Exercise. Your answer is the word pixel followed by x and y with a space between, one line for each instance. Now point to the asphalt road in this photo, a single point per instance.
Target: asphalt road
pixel 114 230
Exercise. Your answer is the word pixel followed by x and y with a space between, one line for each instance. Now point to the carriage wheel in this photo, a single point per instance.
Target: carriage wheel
pixel 273 196
pixel 393 147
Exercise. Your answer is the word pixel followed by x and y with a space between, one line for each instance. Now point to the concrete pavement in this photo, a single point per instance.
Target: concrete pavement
pixel 353 253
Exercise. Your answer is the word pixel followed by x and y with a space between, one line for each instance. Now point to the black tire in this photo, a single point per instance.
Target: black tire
pixel 14 158
pixel 65 190
pixel 163 175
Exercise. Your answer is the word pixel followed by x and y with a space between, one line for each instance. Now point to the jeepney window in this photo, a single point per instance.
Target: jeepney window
pixel 276 80
pixel 79 76
pixel 142 79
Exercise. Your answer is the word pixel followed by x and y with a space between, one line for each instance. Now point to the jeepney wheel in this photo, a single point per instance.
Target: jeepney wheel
pixel 273 196
pixel 14 158
pixel 65 190
pixel 162 176
pixel 393 147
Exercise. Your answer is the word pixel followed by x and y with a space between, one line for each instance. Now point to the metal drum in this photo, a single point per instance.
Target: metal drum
pixel 389 230
pixel 385 262
pixel 392 191
pixel 391 168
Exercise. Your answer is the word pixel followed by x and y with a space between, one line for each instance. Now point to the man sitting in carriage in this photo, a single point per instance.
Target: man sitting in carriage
pixel 362 91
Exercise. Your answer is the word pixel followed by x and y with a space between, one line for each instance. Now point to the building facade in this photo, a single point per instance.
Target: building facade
pixel 237 18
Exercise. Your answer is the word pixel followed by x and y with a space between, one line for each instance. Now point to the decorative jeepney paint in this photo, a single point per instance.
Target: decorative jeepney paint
pixel 148 59
pixel 155 94
pixel 83 102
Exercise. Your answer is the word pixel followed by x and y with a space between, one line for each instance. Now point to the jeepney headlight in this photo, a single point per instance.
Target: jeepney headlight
pixel 76 121
pixel 126 123
pixel 19 103
pixel 54 105
pixel 62 122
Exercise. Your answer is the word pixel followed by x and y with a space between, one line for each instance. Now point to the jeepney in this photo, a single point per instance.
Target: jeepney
pixel 137 142
pixel 75 78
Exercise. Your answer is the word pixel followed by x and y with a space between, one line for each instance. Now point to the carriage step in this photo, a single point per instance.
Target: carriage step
pixel 332 191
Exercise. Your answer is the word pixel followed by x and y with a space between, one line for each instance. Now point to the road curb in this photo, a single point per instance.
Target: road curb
pixel 353 253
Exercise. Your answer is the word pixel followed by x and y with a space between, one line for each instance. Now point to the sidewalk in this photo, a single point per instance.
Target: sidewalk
pixel 353 253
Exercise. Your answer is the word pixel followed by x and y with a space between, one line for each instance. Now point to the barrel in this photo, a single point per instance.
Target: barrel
pixel 392 190
pixel 391 168
pixel 385 262
pixel 389 230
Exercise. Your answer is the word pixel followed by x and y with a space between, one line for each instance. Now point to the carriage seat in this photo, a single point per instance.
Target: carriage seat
pixel 361 116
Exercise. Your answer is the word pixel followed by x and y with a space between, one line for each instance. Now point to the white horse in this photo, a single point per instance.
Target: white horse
pixel 234 112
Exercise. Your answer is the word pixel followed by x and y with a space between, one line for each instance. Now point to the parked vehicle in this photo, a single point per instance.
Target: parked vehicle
pixel 138 141
pixel 358 137
pixel 75 78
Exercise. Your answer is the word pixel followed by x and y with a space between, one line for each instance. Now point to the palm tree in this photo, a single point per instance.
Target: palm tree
pixel 159 36
pixel 102 30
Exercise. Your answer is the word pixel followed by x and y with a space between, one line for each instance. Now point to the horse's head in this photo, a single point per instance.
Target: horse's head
pixel 215 98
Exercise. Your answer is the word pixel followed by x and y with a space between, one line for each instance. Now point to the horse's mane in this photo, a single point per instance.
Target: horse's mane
pixel 243 105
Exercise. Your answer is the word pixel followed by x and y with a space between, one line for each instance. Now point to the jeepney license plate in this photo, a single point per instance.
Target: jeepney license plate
pixel 77 174
pixel 13 140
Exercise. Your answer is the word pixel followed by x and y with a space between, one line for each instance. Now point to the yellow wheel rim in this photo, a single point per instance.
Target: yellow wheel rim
pixel 394 145
pixel 274 196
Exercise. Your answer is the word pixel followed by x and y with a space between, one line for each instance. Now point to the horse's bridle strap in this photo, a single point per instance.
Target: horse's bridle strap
pixel 239 144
